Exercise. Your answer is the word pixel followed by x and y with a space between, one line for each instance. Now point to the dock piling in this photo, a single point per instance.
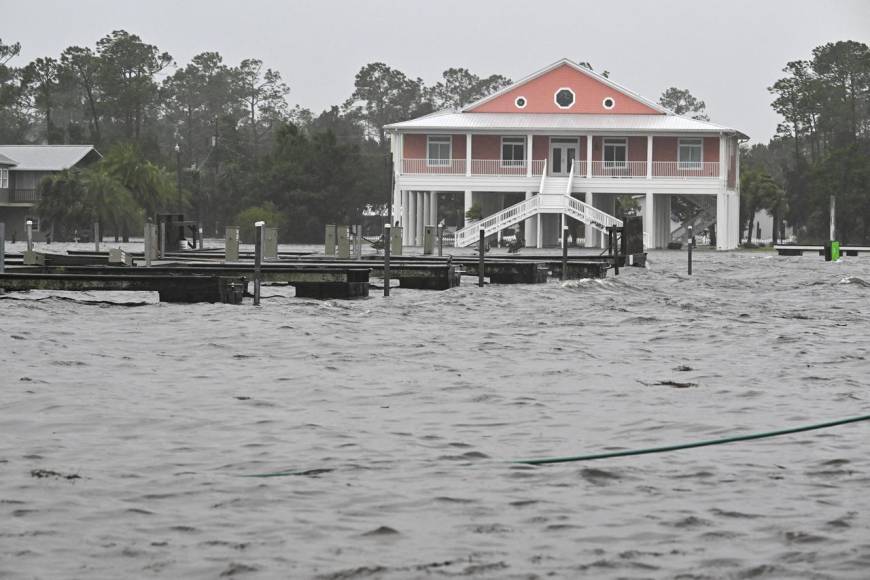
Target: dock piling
pixel 689 243
pixel 481 264
pixel 29 229
pixel 387 244
pixel 2 247
pixel 231 244
pixel 564 253
pixel 162 239
pixel 97 237
pixel 258 259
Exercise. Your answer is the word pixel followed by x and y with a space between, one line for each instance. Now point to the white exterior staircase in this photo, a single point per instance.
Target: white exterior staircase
pixel 554 197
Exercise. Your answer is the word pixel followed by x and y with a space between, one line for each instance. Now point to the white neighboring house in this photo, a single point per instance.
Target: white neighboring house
pixel 22 168
pixel 563 143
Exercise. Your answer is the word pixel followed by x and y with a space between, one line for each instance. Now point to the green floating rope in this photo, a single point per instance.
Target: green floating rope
pixel 734 439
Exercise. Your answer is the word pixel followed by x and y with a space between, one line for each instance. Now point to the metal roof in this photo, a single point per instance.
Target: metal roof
pixel 46 157
pixel 557 122
pixel 6 161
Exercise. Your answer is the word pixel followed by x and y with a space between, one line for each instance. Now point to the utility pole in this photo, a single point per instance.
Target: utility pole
pixel 178 174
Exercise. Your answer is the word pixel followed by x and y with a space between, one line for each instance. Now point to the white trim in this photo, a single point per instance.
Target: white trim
pixel 4 178
pixel 525 102
pixel 573 97
pixel 690 164
pixel 564 61
pixel 612 103
pixel 446 162
pixel 517 140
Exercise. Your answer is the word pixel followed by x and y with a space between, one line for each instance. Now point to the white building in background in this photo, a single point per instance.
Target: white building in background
pixel 562 144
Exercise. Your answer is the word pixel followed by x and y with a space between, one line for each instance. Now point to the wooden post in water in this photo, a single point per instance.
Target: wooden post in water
pixel 387 247
pixel 2 247
pixel 199 231
pixel 97 236
pixel 481 263
pixel 564 253
pixel 162 239
pixel 440 241
pixel 258 259
pixel 833 218
pixel 690 242
pixel 148 241
pixel 28 225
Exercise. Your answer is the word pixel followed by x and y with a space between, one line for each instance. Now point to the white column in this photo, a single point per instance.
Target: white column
pixel 648 219
pixel 531 233
pixel 649 156
pixel 468 154
pixel 406 215
pixel 433 208
pixel 427 209
pixel 662 220
pixel 589 159
pixel 539 243
pixel 722 229
pixel 530 142
pixel 421 212
pixel 412 218
pixel 607 205
pixel 733 219
pixel 723 166
pixel 468 203
pixel 562 230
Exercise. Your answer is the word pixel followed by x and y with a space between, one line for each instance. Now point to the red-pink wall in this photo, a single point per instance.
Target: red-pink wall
pixel 665 149
pixel 711 149
pixel 415 146
pixel 485 147
pixel 588 96
pixel 540 147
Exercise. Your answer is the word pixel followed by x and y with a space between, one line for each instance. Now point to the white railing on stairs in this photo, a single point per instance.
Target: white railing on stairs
pixel 570 180
pixel 590 215
pixel 497 221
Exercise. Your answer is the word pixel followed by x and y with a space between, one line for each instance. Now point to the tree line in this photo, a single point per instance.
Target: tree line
pixel 821 148
pixel 210 138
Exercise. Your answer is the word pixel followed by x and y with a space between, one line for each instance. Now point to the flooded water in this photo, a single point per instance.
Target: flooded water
pixel 129 432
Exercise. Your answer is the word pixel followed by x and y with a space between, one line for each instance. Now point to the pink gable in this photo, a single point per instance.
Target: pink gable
pixel 589 95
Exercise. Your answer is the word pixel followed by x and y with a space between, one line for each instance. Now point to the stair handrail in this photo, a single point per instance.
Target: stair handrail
pixel 496 222
pixel 595 217
pixel 570 180
pixel 543 177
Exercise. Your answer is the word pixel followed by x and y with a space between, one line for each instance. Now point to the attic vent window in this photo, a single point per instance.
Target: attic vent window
pixel 608 103
pixel 564 98
pixel 520 102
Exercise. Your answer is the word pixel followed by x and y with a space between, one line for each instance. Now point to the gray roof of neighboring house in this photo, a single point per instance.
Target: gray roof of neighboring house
pixel 6 161
pixel 46 157
pixel 452 120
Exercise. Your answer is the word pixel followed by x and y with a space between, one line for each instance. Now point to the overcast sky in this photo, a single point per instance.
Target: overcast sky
pixel 726 52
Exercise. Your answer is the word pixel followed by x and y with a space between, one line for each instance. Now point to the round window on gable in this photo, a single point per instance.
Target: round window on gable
pixel 520 102
pixel 564 98
pixel 608 103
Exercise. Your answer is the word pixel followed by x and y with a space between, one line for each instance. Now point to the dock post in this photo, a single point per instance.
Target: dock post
pixel 231 244
pixel 199 231
pixel 162 239
pixel 270 243
pixel 564 253
pixel 2 247
pixel 329 240
pixel 440 241
pixel 97 236
pixel 148 241
pixel 258 259
pixel 357 242
pixel 833 219
pixel 690 243
pixel 343 242
pixel 481 262
pixel 387 244
pixel 29 229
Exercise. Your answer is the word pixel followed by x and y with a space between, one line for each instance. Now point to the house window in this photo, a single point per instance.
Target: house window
pixel 439 149
pixel 513 151
pixel 4 179
pixel 564 98
pixel 615 152
pixel 690 153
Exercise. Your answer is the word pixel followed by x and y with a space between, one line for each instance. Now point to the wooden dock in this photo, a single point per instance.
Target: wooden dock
pixel 789 250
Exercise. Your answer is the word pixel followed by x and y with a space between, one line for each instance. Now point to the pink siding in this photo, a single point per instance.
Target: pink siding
pixel 485 147
pixel 540 147
pixel 459 146
pixel 637 149
pixel 711 149
pixel 588 96
pixel 664 148
pixel 414 147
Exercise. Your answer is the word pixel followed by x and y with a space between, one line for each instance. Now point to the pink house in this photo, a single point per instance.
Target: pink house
pixel 563 143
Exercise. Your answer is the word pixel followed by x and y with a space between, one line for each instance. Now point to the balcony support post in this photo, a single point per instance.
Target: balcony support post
pixel 421 212
pixel 649 156
pixel 467 205
pixel 468 154
pixel 649 220
pixel 530 142
pixel 589 159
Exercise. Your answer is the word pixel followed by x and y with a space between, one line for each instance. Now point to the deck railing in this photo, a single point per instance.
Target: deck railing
pixel 24 195
pixel 623 169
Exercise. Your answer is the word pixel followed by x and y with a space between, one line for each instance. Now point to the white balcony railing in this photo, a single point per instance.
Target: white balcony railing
pixel 687 170
pixel 497 167
pixel 619 169
pixel 433 166
pixel 624 169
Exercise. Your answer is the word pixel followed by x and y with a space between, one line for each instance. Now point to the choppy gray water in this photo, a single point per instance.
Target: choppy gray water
pixel 400 416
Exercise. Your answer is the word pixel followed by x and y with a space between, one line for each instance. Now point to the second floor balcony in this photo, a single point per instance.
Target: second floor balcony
pixel 620 169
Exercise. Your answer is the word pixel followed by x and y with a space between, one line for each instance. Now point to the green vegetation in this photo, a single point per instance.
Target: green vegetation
pixel 240 145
